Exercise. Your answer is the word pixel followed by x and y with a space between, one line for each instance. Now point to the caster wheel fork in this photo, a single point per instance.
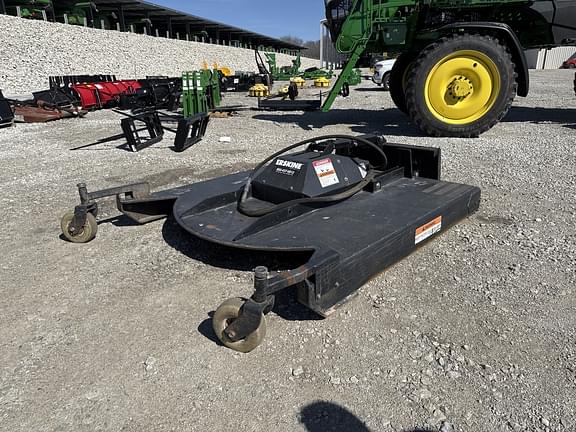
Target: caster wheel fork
pixel 83 235
pixel 240 324
pixel 229 313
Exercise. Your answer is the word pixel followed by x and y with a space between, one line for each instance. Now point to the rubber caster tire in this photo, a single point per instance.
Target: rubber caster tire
pixel 87 233
pixel 461 86
pixel 226 313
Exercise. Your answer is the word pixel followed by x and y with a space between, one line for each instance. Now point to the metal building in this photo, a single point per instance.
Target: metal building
pixel 330 58
pixel 146 18
pixel 549 58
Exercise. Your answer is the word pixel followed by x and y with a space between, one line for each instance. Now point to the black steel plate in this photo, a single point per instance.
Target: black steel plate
pixel 208 210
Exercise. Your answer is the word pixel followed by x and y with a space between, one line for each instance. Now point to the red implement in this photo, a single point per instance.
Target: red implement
pixel 104 94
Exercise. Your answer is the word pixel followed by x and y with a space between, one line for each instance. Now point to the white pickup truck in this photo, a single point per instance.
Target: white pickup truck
pixel 382 70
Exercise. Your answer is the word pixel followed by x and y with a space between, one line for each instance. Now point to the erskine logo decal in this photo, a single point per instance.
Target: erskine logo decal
pixel 289 164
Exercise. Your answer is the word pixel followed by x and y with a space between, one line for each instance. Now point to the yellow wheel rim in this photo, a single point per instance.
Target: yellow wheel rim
pixel 462 87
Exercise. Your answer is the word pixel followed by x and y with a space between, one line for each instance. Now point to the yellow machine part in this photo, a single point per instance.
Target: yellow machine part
pixel 462 87
pixel 322 82
pixel 259 90
pixel 283 91
pixel 299 81
pixel 226 71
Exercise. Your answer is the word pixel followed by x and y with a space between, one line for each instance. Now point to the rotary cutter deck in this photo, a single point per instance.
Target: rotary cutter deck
pixel 352 205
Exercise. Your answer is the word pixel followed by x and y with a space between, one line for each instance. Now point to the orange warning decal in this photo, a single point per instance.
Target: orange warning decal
pixel 428 230
pixel 325 172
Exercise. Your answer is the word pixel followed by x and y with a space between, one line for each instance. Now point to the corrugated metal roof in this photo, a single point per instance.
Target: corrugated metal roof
pixel 151 10
pixel 177 22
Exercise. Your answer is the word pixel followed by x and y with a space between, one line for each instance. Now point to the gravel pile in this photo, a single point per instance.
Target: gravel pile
pixel 31 51
pixel 474 332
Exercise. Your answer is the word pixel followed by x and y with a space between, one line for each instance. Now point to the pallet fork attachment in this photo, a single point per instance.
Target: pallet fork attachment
pixel 152 124
pixel 190 131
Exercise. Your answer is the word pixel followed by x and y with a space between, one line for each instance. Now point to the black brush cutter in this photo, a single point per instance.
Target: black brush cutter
pixel 351 205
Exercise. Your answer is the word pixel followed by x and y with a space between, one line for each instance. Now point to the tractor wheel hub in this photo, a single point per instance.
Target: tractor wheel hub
pixel 460 87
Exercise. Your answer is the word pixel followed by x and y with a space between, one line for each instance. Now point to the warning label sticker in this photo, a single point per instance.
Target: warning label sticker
pixel 325 172
pixel 428 230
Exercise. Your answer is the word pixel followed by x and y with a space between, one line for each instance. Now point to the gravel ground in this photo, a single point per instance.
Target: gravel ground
pixel 31 51
pixel 473 332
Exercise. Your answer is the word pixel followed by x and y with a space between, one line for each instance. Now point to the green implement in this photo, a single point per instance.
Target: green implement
pixel 200 92
pixel 285 73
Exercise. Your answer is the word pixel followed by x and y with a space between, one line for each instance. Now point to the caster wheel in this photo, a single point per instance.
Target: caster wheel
pixel 226 313
pixel 87 233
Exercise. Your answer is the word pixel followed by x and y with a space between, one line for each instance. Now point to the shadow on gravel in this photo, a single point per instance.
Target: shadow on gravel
pixel 224 257
pixel 324 416
pixel 206 330
pixel 387 122
pixel 566 116
pixel 123 146
pixel 285 304
pixel 119 221
pixel 418 430
pixel 392 122
pixel 376 88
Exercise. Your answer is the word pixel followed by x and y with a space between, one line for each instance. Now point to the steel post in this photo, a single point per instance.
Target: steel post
pixel 122 19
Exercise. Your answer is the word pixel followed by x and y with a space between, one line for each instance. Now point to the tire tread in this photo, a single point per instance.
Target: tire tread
pixel 461 131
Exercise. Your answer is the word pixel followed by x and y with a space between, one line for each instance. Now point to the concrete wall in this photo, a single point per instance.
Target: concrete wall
pixel 31 51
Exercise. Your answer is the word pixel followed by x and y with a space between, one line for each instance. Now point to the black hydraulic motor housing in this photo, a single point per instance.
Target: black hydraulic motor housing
pixel 327 171
pixel 307 174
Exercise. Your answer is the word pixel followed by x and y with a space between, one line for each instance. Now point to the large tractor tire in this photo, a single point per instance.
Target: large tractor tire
pixel 398 77
pixel 460 86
